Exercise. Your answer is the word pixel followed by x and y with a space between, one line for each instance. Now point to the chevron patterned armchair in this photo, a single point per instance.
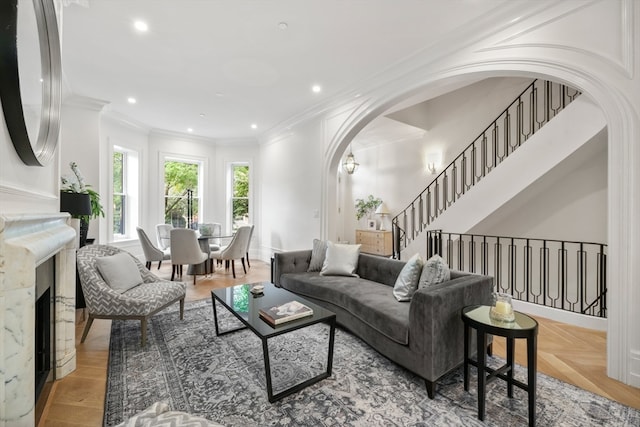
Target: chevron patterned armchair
pixel 138 302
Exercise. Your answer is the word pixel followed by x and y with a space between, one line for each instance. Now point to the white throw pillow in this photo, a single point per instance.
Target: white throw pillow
pixel 340 260
pixel 407 281
pixel 317 255
pixel 435 271
pixel 119 271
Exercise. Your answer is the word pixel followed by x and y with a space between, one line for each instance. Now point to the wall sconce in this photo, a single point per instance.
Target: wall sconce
pixel 383 211
pixel 434 160
pixel 350 165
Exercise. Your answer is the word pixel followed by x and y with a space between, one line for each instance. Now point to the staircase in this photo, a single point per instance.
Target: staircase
pixel 528 117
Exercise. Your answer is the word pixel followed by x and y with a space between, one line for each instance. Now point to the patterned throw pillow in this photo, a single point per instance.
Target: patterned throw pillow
pixel 407 281
pixel 317 255
pixel 435 271
pixel 119 271
pixel 340 260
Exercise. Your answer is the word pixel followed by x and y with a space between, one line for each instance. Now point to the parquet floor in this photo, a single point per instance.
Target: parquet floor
pixel 569 353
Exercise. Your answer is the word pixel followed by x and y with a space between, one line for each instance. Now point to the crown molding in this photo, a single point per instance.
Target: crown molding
pixel 84 102
pixel 196 138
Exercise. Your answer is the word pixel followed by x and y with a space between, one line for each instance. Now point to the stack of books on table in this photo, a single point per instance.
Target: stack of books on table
pixel 285 313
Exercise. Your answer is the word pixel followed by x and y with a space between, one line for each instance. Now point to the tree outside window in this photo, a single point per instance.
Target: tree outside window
pixel 180 178
pixel 240 198
pixel 119 194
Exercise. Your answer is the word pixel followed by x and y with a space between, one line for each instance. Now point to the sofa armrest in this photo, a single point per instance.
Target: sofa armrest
pixel 436 323
pixel 290 262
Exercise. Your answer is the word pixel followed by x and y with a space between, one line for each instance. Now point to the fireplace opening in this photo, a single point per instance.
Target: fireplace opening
pixel 44 359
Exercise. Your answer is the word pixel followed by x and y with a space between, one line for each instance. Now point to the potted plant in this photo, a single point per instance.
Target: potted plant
pixel 365 207
pixel 80 200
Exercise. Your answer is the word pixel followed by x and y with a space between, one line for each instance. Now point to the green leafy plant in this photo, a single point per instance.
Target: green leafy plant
pixel 79 186
pixel 365 207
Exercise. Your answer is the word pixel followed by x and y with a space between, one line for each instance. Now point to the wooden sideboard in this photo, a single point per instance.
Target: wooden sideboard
pixel 375 242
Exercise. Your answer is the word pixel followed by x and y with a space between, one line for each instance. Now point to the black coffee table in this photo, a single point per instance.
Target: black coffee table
pixel 245 306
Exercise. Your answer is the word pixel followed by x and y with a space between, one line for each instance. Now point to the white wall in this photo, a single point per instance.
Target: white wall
pixel 568 203
pixel 80 143
pixel 25 189
pixel 290 189
pixel 396 171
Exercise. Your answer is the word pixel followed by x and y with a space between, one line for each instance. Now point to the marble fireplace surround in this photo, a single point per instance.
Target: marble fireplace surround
pixel 25 242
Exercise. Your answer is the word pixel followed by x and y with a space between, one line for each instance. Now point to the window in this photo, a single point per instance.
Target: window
pixel 181 193
pixel 119 195
pixel 123 212
pixel 240 195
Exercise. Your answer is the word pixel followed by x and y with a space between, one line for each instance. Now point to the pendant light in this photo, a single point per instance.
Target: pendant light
pixel 350 165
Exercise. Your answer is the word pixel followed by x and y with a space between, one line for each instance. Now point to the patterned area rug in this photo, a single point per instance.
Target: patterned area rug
pixel 222 379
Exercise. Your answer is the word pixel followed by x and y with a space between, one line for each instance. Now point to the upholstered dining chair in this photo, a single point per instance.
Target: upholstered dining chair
pixel 213 231
pixel 163 234
pixel 249 244
pixel 117 286
pixel 236 249
pixel 151 253
pixel 185 250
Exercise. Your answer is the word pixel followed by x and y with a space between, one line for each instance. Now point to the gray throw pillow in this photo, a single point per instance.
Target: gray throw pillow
pixel 317 255
pixel 435 271
pixel 119 271
pixel 340 260
pixel 407 281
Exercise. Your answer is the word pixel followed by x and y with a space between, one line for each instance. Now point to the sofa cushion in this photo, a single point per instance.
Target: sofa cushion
pixel 407 281
pixel 371 302
pixel 119 271
pixel 435 271
pixel 317 255
pixel 340 260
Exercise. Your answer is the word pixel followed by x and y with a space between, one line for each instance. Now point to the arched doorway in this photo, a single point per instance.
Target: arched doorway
pixel 622 122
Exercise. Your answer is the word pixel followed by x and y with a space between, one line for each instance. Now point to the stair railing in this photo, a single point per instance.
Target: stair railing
pixel 533 108
pixel 560 274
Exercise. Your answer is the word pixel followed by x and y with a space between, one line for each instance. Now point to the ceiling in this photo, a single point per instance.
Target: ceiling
pixel 219 66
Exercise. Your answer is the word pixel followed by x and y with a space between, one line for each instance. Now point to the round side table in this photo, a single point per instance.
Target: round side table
pixel 477 317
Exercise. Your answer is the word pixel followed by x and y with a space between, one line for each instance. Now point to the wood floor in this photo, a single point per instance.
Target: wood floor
pixel 569 353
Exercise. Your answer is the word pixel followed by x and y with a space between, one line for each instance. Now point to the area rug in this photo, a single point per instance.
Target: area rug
pixel 222 379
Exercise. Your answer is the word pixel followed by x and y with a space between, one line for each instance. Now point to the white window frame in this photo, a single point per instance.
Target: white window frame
pixel 131 178
pixel 230 198
pixel 185 158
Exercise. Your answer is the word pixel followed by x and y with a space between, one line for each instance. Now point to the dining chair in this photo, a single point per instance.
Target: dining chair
pixel 249 244
pixel 185 250
pixel 151 253
pixel 213 231
pixel 163 235
pixel 236 249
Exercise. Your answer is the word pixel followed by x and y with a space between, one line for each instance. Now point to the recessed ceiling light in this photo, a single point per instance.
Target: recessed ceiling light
pixel 202 115
pixel 131 100
pixel 141 26
pixel 316 88
pixel 189 130
pixel 283 25
pixel 254 126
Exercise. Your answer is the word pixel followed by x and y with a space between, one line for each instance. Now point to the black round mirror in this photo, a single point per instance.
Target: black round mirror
pixel 30 77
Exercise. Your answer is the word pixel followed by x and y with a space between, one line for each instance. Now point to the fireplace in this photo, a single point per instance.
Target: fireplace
pixel 44 345
pixel 37 285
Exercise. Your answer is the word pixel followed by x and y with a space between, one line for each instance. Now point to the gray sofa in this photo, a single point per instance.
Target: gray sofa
pixel 424 335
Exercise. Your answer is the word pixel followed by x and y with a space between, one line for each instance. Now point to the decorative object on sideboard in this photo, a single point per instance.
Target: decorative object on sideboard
pixel 502 308
pixel 365 207
pixel 31 78
pixel 383 211
pixel 350 165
